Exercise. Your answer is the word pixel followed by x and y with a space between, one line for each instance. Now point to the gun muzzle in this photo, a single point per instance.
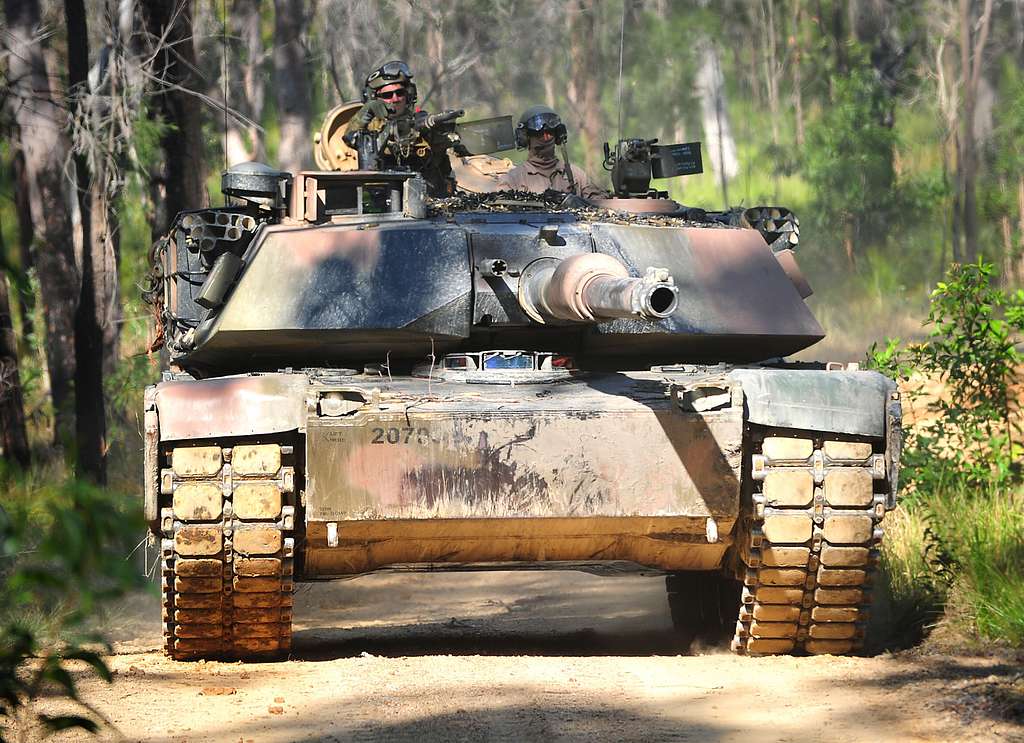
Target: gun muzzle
pixel 592 287
pixel 444 117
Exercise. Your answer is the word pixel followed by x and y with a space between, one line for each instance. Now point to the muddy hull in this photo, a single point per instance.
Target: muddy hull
pixel 603 467
pixel 253 482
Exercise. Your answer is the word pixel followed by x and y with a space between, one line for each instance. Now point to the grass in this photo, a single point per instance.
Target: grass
pixel 980 535
pixel 961 550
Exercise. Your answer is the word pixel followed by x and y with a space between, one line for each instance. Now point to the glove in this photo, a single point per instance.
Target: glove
pixel 572 201
pixel 372 109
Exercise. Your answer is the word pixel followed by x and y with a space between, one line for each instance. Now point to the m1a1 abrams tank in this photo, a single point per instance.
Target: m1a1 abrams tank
pixel 363 378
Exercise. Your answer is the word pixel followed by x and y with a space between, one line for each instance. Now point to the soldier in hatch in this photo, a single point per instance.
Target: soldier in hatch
pixel 390 134
pixel 539 130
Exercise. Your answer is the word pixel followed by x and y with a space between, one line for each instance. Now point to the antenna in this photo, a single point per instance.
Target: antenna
pixel 224 76
pixel 622 36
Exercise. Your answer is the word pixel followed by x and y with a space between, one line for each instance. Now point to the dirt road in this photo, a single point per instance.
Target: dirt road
pixel 532 656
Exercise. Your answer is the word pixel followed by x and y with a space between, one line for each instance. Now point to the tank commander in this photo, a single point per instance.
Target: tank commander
pixel 389 133
pixel 539 130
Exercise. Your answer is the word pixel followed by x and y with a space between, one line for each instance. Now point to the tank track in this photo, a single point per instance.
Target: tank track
pixel 227 551
pixel 809 547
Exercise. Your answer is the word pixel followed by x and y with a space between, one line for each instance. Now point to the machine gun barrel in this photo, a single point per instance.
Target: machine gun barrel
pixel 442 117
pixel 592 287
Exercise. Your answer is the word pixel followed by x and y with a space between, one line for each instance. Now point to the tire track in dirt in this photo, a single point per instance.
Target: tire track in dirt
pixel 526 656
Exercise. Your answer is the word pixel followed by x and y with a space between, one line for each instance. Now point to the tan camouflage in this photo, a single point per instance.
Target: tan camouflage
pixel 538 177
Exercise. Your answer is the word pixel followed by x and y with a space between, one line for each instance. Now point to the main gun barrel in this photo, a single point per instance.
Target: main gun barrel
pixel 592 287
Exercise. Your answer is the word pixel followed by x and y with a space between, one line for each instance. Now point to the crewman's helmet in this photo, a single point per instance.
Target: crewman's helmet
pixel 390 76
pixel 537 119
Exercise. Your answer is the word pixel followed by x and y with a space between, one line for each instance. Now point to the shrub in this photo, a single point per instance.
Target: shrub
pixel 62 553
pixel 971 434
pixel 961 462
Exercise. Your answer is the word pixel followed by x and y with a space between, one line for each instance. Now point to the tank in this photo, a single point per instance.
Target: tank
pixel 362 378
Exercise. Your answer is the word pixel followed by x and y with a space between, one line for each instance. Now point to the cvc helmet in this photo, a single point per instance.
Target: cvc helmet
pixel 537 119
pixel 390 75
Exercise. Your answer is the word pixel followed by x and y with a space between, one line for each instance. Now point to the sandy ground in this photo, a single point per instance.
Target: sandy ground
pixel 538 656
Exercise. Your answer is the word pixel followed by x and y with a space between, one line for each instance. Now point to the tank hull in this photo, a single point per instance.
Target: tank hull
pixel 604 467
pixel 773 478
pixel 647 467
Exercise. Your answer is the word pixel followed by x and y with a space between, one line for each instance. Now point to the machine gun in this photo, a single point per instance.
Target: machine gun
pixel 399 137
pixel 634 162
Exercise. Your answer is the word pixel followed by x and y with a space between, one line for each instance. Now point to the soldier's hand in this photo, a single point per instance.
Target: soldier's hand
pixel 373 109
pixel 572 201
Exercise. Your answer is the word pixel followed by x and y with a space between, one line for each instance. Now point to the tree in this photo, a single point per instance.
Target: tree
pixel 710 88
pixel 40 121
pixel 178 182
pixel 584 30
pixel 849 157
pixel 13 437
pixel 294 107
pixel 245 140
pixel 973 38
pixel 90 348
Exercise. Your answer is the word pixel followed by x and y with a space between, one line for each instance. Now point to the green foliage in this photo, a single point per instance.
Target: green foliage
pixel 971 435
pixel 849 154
pixel 1008 152
pixel 62 553
pixel 961 461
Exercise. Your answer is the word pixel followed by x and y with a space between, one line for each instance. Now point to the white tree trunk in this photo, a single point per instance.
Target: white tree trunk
pixel 718 140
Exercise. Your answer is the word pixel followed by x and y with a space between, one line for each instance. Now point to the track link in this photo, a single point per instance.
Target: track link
pixel 227 550
pixel 809 548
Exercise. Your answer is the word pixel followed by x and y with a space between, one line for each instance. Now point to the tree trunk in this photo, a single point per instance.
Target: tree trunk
pixel 245 142
pixel 721 147
pixel 13 436
pixel 45 147
pixel 25 239
pixel 771 80
pixel 90 349
pixel 797 62
pixel 179 183
pixel 972 53
pixel 91 345
pixel 294 109
pixel 956 223
pixel 1020 228
pixel 585 69
pixel 839 39
pixel 848 233
pixel 946 223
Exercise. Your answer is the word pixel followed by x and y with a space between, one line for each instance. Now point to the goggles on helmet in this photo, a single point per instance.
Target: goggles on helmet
pixel 390 71
pixel 543 122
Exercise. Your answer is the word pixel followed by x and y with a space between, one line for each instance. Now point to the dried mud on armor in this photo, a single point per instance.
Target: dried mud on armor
pixel 532 656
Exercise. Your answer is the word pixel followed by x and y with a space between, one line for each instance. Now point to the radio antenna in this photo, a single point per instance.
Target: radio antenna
pixel 622 36
pixel 224 74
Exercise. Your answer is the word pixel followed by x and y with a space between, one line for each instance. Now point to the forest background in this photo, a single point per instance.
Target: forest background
pixel 893 128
